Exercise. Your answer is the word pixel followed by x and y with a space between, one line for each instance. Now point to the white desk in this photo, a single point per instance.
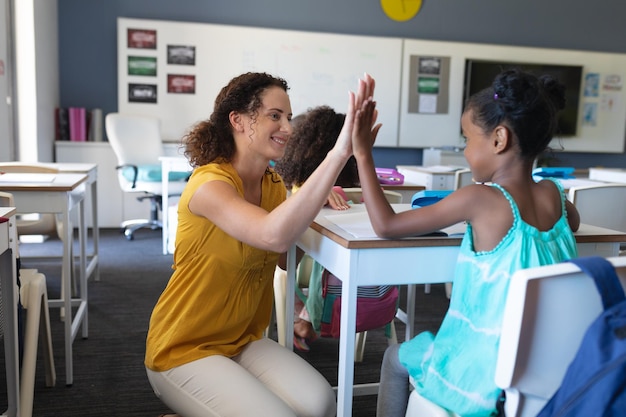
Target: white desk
pixel 10 291
pixel 608 174
pixel 169 164
pixel 91 170
pixel 65 196
pixel 374 261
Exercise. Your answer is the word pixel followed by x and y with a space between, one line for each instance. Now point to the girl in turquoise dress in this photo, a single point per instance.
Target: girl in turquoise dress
pixel 512 221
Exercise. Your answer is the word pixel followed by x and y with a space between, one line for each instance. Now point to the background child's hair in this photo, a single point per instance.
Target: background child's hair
pixel 525 103
pixel 314 135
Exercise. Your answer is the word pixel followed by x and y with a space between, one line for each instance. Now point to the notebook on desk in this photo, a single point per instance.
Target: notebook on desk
pixel 30 177
pixel 359 225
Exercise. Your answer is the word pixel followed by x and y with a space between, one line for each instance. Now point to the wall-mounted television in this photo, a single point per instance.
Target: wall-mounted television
pixel 480 74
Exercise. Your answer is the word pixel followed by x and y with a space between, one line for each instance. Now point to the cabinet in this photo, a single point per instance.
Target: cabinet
pixel 429 177
pixel 114 206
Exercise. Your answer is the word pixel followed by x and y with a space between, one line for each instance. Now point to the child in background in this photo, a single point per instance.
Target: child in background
pixel 314 135
pixel 512 221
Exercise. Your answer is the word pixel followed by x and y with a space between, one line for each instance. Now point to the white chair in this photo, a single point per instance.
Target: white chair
pixel 280 278
pixel 136 141
pixel 463 177
pixel 548 310
pixel 601 205
pixel 34 297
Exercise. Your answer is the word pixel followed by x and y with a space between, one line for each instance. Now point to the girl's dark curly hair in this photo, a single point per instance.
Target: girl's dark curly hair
pixel 212 139
pixel 527 104
pixel 314 135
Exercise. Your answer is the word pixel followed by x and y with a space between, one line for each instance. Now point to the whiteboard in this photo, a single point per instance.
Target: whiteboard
pixel 320 69
pixel 606 134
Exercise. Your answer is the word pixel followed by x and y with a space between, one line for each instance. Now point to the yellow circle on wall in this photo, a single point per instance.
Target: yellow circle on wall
pixel 401 10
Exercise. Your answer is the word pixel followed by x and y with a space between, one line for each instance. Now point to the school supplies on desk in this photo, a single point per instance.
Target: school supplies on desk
pixel 427 197
pixel 389 176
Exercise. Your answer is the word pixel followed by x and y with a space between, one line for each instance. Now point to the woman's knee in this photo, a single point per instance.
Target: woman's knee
pixel 319 401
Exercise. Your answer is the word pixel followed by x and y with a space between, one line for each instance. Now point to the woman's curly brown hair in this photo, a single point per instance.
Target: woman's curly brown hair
pixel 314 135
pixel 212 140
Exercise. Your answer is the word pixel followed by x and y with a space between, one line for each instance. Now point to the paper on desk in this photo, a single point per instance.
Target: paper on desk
pixel 15 177
pixel 359 225
pixel 442 168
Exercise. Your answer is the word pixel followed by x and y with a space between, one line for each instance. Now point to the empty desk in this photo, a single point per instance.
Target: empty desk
pixel 63 194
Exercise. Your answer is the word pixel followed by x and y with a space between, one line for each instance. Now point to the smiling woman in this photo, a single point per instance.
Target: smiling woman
pixel 234 225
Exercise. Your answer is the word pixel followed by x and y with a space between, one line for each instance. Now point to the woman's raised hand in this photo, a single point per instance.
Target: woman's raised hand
pixel 365 130
pixel 355 102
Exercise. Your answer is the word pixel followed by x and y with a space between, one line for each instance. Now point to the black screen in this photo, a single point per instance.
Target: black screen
pixel 480 74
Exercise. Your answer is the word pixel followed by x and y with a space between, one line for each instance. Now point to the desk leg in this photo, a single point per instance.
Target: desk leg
pixel 345 382
pixel 93 267
pixel 410 311
pixel 82 237
pixel 66 293
pixel 9 305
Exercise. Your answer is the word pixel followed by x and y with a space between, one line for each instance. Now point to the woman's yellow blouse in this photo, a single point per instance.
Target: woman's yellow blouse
pixel 219 297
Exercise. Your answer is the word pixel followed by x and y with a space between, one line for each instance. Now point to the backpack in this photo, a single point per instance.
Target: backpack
pixel 376 306
pixel 595 382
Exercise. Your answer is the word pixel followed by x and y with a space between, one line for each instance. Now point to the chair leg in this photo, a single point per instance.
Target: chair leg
pixel 130 226
pixel 35 300
pixel 393 336
pixel 46 336
pixel 359 346
pixel 280 282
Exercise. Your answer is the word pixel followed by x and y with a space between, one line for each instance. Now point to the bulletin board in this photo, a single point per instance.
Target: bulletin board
pixel 174 70
pixel 602 113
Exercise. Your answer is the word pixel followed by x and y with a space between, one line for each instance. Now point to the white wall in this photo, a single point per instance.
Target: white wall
pixel 6 112
pixel 37 73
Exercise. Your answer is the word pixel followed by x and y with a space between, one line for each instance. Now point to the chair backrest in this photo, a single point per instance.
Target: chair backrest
pixel 6 199
pixel 136 140
pixel 601 205
pixel 548 310
pixel 463 177
pixel 356 195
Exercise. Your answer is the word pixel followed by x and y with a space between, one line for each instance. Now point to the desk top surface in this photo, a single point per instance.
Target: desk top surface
pixel 61 182
pixel 75 167
pixel 326 227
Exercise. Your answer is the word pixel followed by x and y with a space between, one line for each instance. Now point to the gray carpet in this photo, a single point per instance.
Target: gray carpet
pixel 109 377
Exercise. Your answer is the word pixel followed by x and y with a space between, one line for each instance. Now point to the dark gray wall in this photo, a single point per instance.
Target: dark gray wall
pixel 88 37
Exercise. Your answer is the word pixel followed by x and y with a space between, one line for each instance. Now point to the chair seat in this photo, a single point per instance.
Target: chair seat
pixel 420 406
pixel 175 187
pixel 151 173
